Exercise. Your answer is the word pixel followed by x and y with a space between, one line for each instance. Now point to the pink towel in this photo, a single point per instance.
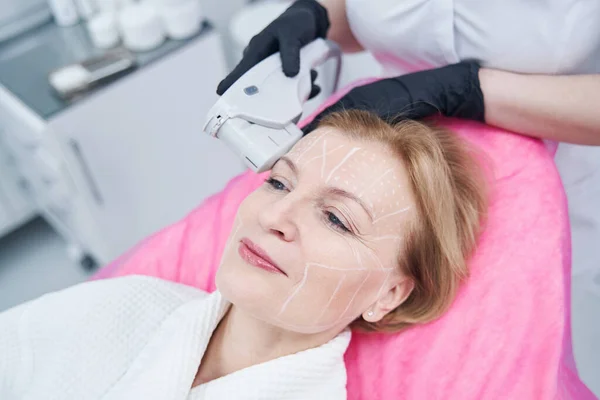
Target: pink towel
pixel 508 334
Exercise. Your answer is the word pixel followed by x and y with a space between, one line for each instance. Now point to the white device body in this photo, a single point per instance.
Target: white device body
pixel 257 115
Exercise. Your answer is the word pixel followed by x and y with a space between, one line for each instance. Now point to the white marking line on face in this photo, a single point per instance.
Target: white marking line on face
pixel 375 182
pixel 304 278
pixel 324 158
pixel 353 297
pixel 350 153
pixel 339 285
pixel 319 157
pixel 233 235
pixel 300 327
pixel 387 276
pixel 310 146
pixel 295 292
pixel 359 261
pixel 391 214
pixel 335 268
pixel 374 257
pixel 387 237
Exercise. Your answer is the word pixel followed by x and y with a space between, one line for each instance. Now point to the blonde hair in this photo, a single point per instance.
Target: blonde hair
pixel 449 191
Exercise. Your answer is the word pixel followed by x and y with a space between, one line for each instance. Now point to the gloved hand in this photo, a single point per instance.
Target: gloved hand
pixel 303 22
pixel 452 91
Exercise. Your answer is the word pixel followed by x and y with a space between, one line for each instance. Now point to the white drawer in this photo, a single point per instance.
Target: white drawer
pixel 19 120
pixel 47 166
pixel 4 211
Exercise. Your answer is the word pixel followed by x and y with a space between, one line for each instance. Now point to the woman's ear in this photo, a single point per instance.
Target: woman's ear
pixel 389 300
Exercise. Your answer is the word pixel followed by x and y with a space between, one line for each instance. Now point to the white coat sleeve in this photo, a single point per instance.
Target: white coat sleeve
pixel 33 333
pixel 12 350
pixel 42 330
pixel 76 326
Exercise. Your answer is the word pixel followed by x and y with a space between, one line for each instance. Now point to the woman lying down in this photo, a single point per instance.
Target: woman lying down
pixel 360 226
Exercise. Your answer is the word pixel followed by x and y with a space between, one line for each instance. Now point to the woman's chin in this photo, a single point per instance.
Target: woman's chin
pixel 242 285
pixel 264 296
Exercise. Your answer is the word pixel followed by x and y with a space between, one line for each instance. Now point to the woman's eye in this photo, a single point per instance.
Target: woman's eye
pixel 275 184
pixel 336 222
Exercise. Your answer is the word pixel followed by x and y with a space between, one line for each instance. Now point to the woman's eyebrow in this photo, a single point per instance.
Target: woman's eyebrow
pixel 332 190
pixel 290 164
pixel 341 192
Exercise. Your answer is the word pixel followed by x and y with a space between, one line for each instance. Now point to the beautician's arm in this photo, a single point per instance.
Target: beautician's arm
pixel 561 108
pixel 339 30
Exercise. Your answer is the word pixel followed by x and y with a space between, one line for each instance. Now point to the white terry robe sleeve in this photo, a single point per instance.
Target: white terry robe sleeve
pixel 12 351
pixel 50 347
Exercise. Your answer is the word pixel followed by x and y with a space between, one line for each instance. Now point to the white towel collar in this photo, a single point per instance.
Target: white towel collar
pixel 167 365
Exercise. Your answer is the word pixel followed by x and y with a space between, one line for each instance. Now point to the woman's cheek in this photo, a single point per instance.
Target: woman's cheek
pixel 330 295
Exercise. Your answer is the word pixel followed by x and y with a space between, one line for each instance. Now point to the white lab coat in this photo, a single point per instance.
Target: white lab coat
pixel 542 36
pixel 143 338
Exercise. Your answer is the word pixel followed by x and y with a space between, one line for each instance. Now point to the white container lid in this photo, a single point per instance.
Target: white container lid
pixel 141 27
pixel 161 3
pixel 112 5
pixel 181 20
pixel 103 30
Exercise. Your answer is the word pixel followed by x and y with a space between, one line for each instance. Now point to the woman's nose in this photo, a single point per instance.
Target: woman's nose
pixel 278 218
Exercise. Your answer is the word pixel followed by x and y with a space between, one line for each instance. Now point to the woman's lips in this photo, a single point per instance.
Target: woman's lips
pixel 257 257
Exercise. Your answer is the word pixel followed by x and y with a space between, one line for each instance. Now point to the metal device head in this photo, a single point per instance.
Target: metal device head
pixel 257 115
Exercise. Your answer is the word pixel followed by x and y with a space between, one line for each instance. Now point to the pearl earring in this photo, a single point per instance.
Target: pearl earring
pixel 370 314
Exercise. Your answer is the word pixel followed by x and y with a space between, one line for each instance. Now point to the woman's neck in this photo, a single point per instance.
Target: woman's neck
pixel 241 341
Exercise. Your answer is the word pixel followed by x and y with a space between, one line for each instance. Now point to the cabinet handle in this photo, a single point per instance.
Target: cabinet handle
pixel 87 173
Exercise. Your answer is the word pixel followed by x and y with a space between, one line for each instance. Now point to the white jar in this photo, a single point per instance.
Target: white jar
pixel 103 30
pixel 181 19
pixel 112 5
pixel 85 8
pixel 141 27
pixel 161 3
pixel 107 5
pixel 64 11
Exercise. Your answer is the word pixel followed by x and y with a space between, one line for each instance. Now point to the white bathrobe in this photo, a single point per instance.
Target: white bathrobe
pixel 143 338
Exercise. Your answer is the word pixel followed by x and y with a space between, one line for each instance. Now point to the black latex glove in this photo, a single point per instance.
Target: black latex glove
pixel 300 24
pixel 453 91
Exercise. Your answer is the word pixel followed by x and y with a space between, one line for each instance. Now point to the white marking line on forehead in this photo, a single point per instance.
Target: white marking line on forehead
pixel 350 153
pixel 337 288
pixel 375 182
pixel 310 146
pixel 324 158
pixel 391 214
pixel 292 152
pixel 319 157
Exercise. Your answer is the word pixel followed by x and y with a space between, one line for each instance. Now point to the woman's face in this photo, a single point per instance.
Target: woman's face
pixel 317 245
